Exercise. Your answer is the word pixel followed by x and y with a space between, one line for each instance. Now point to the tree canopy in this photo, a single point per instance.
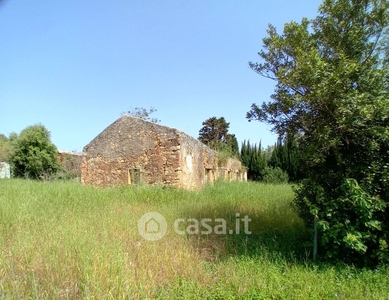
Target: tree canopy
pixel 214 133
pixel 33 154
pixel 214 130
pixel 332 91
pixel 4 148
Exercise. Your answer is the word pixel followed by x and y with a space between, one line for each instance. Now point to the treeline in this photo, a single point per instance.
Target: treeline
pixel 276 164
pixel 32 155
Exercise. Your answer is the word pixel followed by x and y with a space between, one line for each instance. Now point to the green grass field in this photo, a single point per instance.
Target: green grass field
pixel 60 240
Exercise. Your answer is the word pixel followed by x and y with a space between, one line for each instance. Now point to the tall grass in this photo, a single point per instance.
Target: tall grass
pixel 60 240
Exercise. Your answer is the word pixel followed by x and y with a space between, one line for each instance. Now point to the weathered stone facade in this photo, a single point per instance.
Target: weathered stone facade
pixel 132 150
pixel 71 161
pixel 232 170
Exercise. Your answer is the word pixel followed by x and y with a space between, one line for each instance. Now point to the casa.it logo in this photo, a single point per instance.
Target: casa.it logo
pixel 152 226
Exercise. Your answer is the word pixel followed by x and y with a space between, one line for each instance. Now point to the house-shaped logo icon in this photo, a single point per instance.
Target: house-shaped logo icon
pixel 152 226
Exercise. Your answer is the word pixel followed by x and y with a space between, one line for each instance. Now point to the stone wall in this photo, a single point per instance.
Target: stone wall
pixel 135 151
pixel 232 169
pixel 198 163
pixel 71 161
pixel 132 150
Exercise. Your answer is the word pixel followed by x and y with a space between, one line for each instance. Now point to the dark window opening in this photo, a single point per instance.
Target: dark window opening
pixel 209 176
pixel 134 176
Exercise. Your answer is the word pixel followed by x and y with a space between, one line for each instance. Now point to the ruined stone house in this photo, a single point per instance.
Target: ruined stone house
pixel 134 151
pixel 231 169
pixel 71 162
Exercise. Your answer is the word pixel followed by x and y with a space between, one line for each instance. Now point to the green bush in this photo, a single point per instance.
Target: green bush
pixel 33 155
pixel 274 175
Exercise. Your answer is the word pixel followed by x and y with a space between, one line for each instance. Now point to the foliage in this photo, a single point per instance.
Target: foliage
pixel 4 148
pixel 278 163
pixel 143 113
pixel 71 166
pixel 285 155
pixel 274 175
pixel 332 91
pixel 254 159
pixel 245 153
pixel 232 143
pixel 214 134
pixel 268 152
pixel 33 155
pixel 214 131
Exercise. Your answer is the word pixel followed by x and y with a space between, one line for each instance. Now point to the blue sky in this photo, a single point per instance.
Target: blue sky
pixel 75 66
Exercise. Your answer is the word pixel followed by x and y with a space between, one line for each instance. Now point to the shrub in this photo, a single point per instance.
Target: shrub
pixel 33 155
pixel 274 176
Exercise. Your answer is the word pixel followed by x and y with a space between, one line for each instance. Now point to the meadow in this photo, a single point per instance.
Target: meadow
pixel 60 240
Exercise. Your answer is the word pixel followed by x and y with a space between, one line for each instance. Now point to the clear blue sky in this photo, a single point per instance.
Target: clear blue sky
pixel 75 66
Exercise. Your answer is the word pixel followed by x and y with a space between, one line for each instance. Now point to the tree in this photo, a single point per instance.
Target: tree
pixel 245 153
pixel 214 131
pixel 285 155
pixel 4 148
pixel 232 144
pixel 143 113
pixel 332 90
pixel 257 163
pixel 214 134
pixel 33 155
pixel 254 159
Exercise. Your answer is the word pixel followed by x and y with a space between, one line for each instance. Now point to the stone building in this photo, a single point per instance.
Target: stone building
pixel 71 162
pixel 134 151
pixel 231 169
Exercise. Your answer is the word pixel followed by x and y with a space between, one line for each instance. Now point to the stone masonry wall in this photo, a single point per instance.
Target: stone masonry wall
pixel 71 162
pixel 232 169
pixel 132 144
pixel 132 150
pixel 198 162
